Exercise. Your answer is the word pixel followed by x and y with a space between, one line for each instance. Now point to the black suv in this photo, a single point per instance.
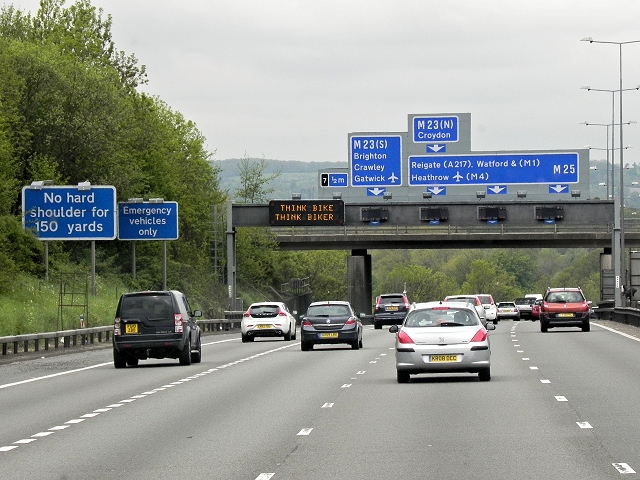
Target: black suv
pixel 157 324
pixel 390 309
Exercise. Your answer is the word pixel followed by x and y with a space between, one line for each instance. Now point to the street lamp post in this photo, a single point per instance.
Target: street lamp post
pixel 619 260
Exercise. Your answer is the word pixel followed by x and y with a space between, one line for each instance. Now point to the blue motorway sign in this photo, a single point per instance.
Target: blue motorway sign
pixel 494 169
pixel 375 161
pixel 69 213
pixel 338 180
pixel 429 129
pixel 148 221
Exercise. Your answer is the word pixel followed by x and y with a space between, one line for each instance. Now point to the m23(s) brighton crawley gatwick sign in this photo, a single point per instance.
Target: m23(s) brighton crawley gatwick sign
pixel 70 213
pixel 306 212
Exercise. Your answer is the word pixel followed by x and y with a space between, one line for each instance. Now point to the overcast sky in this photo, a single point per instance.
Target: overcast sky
pixel 290 79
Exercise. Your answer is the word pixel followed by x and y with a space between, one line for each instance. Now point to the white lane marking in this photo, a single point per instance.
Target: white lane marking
pixel 305 431
pixel 22 382
pixel 361 372
pixel 631 337
pixel 516 345
pixel 383 354
pixel 265 476
pixel 514 340
pixel 533 368
pixel 327 405
pixel 560 398
pixel 525 358
pixel 119 404
pixel 346 385
pixel 545 381
pixel 584 424
pixel 373 361
pixel 520 351
pixel 623 468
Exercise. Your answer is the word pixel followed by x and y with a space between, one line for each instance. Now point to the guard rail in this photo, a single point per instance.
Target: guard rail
pixel 64 339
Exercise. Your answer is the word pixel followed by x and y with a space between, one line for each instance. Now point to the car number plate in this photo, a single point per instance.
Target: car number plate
pixel 131 328
pixel 392 308
pixel 329 335
pixel 565 315
pixel 444 358
pixel 263 325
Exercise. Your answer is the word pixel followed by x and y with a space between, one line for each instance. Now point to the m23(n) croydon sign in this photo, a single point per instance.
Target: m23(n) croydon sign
pixel 69 213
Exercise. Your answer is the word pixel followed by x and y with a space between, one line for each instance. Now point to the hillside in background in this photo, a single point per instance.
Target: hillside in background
pixel 302 177
pixel 296 176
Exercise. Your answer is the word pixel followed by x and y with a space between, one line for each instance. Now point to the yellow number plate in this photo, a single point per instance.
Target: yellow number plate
pixel 131 328
pixel 566 315
pixel 328 335
pixel 444 358
pixel 263 325
pixel 392 308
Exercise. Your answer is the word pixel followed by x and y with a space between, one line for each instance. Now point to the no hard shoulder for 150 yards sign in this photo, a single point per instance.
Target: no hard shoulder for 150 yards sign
pixel 70 213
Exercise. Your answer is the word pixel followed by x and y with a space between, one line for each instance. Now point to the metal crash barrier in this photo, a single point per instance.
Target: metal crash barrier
pixel 64 339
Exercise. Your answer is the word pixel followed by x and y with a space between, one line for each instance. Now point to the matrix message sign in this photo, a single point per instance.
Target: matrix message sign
pixel 70 213
pixel 306 212
pixel 148 221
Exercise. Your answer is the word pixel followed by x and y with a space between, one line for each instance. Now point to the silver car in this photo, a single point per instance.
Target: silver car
pixel 442 337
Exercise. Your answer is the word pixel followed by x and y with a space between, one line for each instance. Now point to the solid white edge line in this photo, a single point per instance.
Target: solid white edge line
pixel 631 337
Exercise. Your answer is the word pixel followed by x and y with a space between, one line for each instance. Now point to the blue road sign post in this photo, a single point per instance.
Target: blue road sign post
pixel 375 161
pixel 494 169
pixel 70 213
pixel 148 221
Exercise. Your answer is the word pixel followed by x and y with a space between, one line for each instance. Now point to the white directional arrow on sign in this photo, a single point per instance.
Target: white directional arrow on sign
pixel 436 190
pixel 376 191
pixel 497 189
pixel 558 188
pixel 436 148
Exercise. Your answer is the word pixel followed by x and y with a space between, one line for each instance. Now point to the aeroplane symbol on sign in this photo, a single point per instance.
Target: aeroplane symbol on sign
pixel 393 177
pixel 458 177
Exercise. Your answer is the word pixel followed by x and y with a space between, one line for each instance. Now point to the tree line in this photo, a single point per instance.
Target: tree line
pixel 71 110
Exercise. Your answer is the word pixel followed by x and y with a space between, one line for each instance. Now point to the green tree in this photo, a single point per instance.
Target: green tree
pixel 254 181
pixel 487 277
pixel 422 284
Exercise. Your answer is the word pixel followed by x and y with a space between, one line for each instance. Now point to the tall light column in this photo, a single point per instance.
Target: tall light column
pixel 620 259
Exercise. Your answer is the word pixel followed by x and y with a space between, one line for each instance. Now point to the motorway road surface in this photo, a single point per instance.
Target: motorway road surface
pixel 561 405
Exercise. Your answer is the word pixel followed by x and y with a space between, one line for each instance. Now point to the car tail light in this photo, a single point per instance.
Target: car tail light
pixel 480 336
pixel 351 321
pixel 404 338
pixel 178 323
pixel 282 313
pixel 246 314
pixel 116 326
pixel 478 302
pixel 307 323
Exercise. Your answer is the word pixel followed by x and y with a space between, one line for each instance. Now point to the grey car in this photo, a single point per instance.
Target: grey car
pixel 155 324
pixel 330 322
pixel 442 337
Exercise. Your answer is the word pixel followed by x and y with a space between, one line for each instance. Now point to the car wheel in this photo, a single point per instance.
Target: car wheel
pixel 355 345
pixel 586 327
pixel 484 375
pixel 287 336
pixel 360 343
pixel 495 322
pixel 304 346
pixel 294 335
pixel 196 355
pixel 246 338
pixel 132 362
pixel 402 377
pixel 544 328
pixel 377 326
pixel 118 359
pixel 185 354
